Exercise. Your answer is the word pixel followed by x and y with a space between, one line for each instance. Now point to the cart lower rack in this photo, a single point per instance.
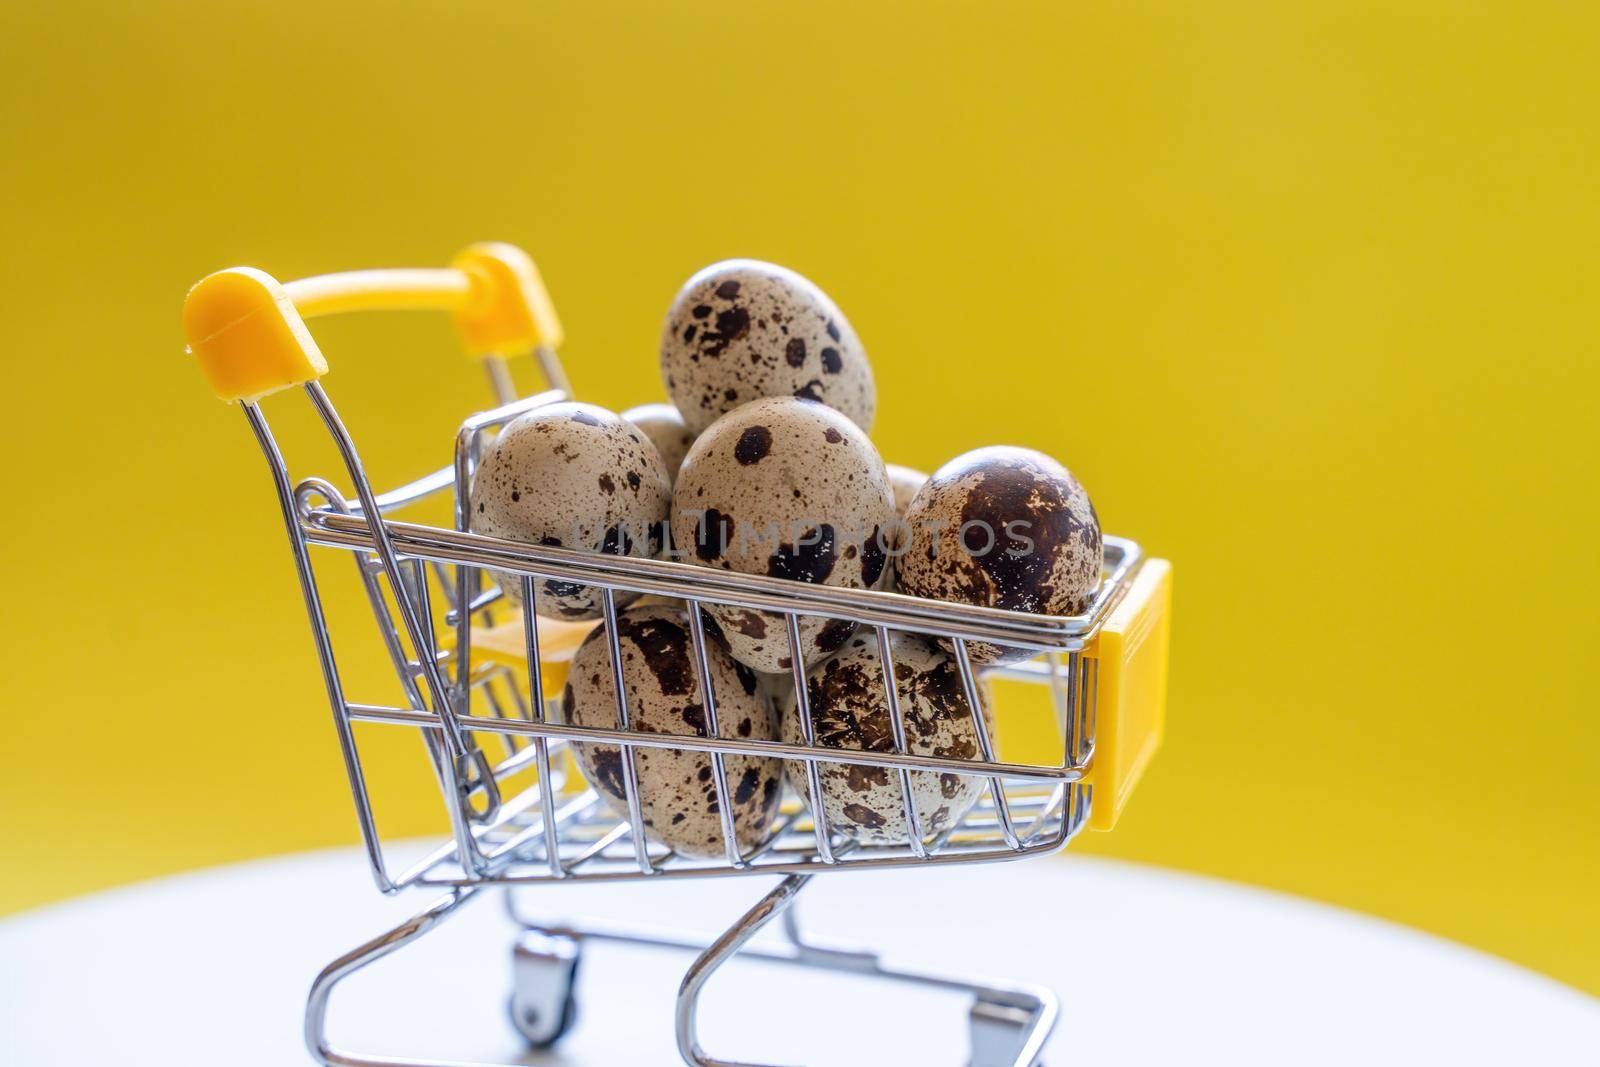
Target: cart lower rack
pixel 477 670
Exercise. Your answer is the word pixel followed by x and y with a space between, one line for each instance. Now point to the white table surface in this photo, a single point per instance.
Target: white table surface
pixel 1153 967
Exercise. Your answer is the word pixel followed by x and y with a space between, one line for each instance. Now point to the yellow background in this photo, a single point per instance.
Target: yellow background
pixel 1305 293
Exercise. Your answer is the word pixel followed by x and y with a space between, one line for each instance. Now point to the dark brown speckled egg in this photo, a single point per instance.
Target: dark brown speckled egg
pixel 741 330
pixel 573 476
pixel 790 489
pixel 677 790
pixel 1007 528
pixel 850 710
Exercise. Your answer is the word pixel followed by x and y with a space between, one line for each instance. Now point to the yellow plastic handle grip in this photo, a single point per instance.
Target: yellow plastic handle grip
pixel 508 309
pixel 248 333
pixel 245 333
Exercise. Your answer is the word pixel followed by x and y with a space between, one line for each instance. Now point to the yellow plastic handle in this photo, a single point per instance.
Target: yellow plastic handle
pixel 248 333
pixel 377 290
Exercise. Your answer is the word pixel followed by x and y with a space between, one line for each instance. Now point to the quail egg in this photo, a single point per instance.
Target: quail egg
pixel 904 482
pixel 574 476
pixel 741 330
pixel 791 489
pixel 1007 528
pixel 850 710
pixel 664 426
pixel 677 791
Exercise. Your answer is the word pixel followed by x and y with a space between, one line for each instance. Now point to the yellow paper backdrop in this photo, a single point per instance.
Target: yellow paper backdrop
pixel 1306 294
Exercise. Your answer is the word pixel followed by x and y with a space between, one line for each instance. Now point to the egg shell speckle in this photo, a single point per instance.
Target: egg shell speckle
pixel 1003 527
pixel 850 710
pixel 664 426
pixel 741 330
pixel 791 489
pixel 677 791
pixel 574 476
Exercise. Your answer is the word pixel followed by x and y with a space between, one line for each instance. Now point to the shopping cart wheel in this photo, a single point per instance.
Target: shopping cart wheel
pixel 544 986
pixel 999 1033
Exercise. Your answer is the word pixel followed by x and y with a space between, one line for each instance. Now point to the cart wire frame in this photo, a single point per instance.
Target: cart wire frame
pixel 558 829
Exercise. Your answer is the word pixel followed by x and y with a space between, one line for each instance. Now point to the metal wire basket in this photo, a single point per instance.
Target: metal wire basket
pixel 476 669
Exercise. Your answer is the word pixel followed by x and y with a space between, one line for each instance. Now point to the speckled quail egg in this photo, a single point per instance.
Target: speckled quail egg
pixel 741 330
pixel 664 426
pixel 574 476
pixel 791 489
pixel 850 710
pixel 1007 528
pixel 677 791
pixel 904 482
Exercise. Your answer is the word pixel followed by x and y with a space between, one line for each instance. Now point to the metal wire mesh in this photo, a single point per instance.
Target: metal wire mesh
pixel 556 827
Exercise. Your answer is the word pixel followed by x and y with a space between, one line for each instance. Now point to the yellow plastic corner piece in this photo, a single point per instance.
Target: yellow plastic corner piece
pixel 248 338
pixel 1131 709
pixel 508 311
pixel 503 643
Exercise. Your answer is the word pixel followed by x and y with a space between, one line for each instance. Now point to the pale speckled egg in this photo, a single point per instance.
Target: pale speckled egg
pixel 664 426
pixel 574 476
pixel 791 489
pixel 741 330
pixel 850 710
pixel 1007 528
pixel 904 483
pixel 677 791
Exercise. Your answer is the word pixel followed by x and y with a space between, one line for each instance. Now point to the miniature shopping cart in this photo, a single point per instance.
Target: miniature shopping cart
pixel 477 667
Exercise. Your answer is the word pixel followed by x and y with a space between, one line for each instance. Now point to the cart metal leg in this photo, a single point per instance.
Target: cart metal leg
pixel 723 949
pixel 322 987
pixel 1008 1024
